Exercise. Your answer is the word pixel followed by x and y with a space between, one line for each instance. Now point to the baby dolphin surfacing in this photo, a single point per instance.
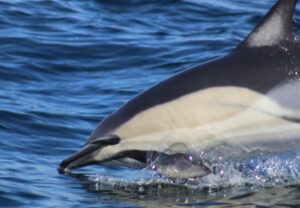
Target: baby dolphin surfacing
pixel 248 98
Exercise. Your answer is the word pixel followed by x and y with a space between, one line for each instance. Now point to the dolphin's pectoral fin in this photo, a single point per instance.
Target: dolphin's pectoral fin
pixel 85 155
pixel 179 166
pixel 275 27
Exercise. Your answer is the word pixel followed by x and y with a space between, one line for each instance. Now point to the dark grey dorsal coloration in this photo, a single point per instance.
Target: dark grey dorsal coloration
pixel 246 92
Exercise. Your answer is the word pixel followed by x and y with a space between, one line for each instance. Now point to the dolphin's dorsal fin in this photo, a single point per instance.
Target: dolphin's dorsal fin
pixel 276 26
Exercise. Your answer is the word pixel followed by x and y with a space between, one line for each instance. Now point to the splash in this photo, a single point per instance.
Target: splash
pixel 178 162
pixel 258 171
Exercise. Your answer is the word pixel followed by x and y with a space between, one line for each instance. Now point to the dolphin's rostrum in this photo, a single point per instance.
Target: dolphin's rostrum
pixel 247 98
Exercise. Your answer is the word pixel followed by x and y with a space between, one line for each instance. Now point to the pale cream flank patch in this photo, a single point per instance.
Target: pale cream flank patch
pixel 203 119
pixel 197 109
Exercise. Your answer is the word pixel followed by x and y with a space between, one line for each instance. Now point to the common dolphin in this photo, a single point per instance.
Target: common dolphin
pixel 247 98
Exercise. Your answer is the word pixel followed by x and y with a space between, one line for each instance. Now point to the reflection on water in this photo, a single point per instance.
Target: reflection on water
pixel 157 193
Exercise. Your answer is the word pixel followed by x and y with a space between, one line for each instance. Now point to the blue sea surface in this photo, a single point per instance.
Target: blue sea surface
pixel 66 64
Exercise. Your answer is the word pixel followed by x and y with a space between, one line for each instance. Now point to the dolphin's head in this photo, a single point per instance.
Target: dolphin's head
pixel 105 147
pixel 169 159
pixel 87 155
pixel 105 150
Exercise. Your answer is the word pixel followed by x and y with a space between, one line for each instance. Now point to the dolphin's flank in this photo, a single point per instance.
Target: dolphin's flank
pixel 247 98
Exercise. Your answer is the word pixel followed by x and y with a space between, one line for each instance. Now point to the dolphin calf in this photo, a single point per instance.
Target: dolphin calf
pixel 249 98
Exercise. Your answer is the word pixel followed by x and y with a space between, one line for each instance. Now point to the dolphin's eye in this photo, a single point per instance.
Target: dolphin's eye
pixel 107 140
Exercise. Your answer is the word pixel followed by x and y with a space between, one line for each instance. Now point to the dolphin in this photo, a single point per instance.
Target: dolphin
pixel 247 100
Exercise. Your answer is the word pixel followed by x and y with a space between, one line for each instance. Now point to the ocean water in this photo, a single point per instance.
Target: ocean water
pixel 66 64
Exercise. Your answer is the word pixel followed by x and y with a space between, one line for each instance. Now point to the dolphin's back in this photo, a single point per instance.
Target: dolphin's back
pixel 257 69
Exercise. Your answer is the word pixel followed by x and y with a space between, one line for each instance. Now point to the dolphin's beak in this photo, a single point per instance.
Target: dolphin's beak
pixel 86 156
pixel 79 159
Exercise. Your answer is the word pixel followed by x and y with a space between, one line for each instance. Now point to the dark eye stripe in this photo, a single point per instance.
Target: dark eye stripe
pixel 107 140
